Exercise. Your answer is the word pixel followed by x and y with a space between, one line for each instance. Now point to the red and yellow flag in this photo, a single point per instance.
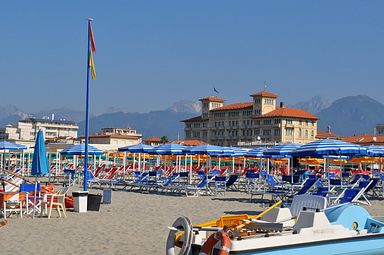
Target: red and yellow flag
pixel 92 38
pixel 92 65
pixel 93 49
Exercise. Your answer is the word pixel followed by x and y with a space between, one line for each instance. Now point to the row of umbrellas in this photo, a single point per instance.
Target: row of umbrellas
pixel 320 148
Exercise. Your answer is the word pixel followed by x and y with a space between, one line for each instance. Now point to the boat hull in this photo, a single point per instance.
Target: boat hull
pixel 367 245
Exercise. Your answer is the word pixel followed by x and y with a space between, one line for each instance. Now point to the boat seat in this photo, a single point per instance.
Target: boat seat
pixel 262 226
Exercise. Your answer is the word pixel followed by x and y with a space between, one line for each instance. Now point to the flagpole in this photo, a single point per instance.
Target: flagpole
pixel 85 184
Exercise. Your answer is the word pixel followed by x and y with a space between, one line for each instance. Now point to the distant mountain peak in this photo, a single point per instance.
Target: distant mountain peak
pixel 185 106
pixel 314 105
pixel 352 115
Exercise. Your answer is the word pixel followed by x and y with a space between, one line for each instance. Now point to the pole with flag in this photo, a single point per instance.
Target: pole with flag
pixel 91 48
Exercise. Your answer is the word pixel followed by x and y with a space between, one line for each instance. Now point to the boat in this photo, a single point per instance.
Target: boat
pixel 338 230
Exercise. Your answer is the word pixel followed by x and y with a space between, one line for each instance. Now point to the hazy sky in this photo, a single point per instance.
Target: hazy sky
pixel 153 53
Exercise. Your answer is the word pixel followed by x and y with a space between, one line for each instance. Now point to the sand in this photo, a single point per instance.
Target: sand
pixel 134 223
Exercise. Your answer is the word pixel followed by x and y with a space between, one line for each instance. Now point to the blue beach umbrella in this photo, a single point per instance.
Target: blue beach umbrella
pixel 39 161
pixel 375 151
pixel 256 153
pixel 169 149
pixel 4 145
pixel 138 148
pixel 79 149
pixel 328 147
pixel 284 150
pixel 206 149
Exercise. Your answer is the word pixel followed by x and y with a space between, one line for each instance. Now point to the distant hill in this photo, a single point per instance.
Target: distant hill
pixel 10 114
pixel 314 105
pixel 156 123
pixel 352 115
pixel 186 106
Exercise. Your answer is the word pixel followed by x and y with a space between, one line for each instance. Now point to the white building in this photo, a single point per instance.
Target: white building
pixel 25 131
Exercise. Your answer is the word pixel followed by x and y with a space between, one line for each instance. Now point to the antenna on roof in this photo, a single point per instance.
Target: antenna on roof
pixel 265 85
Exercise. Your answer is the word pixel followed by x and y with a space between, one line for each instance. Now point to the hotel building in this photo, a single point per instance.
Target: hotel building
pixel 258 122
pixel 25 131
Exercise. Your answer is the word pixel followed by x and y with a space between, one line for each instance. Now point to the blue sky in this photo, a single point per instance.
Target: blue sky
pixel 153 53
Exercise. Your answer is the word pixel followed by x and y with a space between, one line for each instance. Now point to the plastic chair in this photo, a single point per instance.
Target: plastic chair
pixel 55 200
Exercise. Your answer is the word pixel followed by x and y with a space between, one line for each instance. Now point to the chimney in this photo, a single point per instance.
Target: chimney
pixel 281 104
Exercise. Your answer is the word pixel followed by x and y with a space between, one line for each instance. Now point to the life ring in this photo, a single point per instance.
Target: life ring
pixel 225 244
pixel 184 224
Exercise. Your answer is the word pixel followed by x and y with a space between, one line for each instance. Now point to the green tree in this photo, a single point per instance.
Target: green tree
pixel 164 139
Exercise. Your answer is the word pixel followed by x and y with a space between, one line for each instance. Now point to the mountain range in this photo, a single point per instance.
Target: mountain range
pixel 345 116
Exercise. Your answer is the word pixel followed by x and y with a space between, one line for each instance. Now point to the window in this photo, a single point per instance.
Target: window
pixel 312 134
pixel 299 134
pixel 277 121
pixel 306 133
pixel 289 121
pixel 266 132
pixel 276 132
pixel 256 131
pixel 289 131
pixel 267 122
pixel 257 122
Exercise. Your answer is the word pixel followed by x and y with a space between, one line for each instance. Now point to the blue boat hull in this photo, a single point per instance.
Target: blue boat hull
pixel 364 245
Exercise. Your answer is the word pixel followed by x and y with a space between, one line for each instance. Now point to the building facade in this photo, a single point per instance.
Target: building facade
pixel 114 138
pixel 259 121
pixel 26 130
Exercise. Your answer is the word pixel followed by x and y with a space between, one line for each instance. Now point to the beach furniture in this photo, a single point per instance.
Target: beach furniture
pixel 353 195
pixel 11 202
pixel 231 182
pixel 56 200
pixel 33 197
pixel 220 185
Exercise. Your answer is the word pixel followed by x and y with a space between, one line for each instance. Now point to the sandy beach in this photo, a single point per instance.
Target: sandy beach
pixel 134 223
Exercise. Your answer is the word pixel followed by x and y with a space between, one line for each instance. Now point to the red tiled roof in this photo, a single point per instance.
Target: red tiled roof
pixel 152 139
pixel 194 119
pixel 365 139
pixel 212 98
pixel 265 94
pixel 237 106
pixel 324 134
pixel 190 142
pixel 289 112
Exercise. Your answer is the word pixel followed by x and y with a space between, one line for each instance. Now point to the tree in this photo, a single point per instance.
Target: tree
pixel 164 139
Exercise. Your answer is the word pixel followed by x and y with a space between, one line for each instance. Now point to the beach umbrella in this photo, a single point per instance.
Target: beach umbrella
pixel 282 150
pixel 169 149
pixel 207 149
pixel 375 151
pixel 79 149
pixel 328 146
pixel 256 153
pixel 4 145
pixel 138 148
pixel 39 161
